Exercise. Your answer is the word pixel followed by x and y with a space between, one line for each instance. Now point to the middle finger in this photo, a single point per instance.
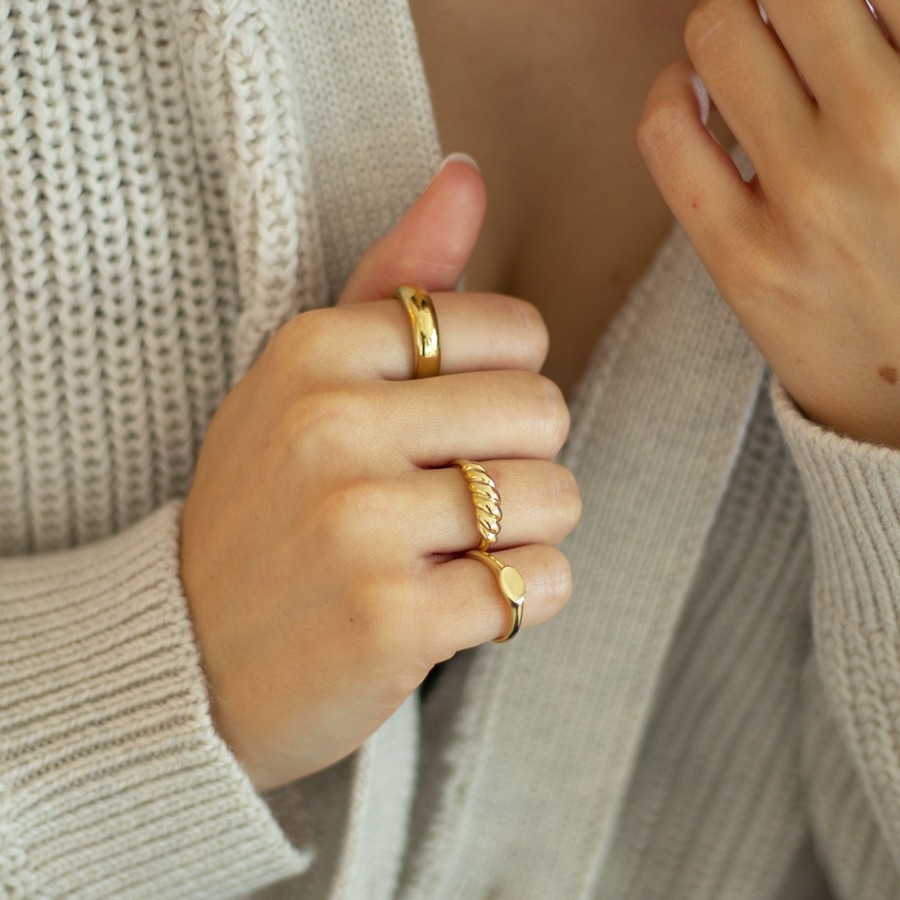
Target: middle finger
pixel 750 79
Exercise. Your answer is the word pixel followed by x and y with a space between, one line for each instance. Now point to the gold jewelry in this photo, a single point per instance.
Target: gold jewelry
pixel 512 586
pixel 486 499
pixel 423 321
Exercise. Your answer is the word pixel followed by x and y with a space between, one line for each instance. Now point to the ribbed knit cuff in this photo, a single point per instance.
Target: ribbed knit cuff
pixel 853 491
pixel 113 781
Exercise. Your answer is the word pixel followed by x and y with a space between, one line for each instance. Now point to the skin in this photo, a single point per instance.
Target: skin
pixel 805 254
pixel 547 97
pixel 320 537
pixel 308 643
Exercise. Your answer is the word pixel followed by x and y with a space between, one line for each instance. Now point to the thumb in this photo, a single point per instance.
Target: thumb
pixel 431 245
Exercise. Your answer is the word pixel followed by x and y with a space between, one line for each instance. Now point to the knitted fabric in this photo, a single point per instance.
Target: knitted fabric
pixel 156 225
pixel 715 715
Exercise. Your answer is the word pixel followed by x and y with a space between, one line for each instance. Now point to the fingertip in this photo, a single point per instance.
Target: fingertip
pixel 431 244
pixel 440 230
pixel 463 158
pixel 548 582
pixel 666 114
pixel 457 197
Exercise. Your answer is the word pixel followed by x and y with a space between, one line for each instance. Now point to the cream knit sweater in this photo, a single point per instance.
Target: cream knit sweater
pixel 178 178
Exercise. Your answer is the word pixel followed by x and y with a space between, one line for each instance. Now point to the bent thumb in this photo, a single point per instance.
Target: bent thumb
pixel 431 245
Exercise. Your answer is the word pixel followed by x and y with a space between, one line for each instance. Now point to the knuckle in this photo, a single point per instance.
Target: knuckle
pixel 557 581
pixel 710 23
pixel 661 124
pixel 516 332
pixel 555 417
pixel 567 497
pixel 327 425
pixel 277 352
pixel 341 410
pixel 767 282
pixel 303 343
pixel 352 514
pixel 534 337
pixel 876 128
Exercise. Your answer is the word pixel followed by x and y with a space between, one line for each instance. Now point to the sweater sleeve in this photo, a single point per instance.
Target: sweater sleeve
pixel 113 780
pixel 853 491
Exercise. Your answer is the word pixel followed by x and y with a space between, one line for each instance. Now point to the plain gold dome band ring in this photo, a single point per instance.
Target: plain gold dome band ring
pixel 511 585
pixel 423 322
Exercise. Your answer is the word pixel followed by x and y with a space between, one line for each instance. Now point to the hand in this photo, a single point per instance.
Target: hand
pixel 806 253
pixel 321 533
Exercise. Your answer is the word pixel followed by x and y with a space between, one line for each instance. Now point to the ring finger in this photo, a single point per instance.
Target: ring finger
pixel 539 500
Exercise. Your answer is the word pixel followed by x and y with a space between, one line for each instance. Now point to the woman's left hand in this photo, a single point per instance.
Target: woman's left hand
pixel 807 253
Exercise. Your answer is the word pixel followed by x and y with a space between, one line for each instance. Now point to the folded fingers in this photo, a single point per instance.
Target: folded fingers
pixel 839 48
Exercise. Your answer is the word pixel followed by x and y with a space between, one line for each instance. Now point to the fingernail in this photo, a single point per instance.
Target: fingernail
pixel 702 96
pixel 459 157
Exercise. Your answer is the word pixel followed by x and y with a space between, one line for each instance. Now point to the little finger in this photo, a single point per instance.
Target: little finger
pixel 462 606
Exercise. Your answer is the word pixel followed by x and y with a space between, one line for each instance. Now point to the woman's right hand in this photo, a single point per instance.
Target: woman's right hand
pixel 321 536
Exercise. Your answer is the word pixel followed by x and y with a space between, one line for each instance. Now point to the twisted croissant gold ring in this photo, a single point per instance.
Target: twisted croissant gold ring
pixel 486 500
pixel 423 321
pixel 512 586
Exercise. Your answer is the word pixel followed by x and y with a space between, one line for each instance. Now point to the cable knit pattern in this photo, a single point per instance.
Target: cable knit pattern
pixel 154 228
pixel 111 315
pixel 243 103
pixel 157 224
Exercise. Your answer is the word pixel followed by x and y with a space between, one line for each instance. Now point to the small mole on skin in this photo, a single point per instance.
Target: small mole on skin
pixel 695 204
pixel 888 374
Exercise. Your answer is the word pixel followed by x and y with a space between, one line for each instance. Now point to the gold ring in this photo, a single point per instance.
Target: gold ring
pixel 423 321
pixel 512 586
pixel 486 499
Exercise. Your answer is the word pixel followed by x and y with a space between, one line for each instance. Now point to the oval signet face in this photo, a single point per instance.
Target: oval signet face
pixel 512 584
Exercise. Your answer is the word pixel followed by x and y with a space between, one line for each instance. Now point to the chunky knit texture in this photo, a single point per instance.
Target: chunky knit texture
pixel 157 223
pixel 715 715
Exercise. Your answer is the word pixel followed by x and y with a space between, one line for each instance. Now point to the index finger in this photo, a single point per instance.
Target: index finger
pixel 478 332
